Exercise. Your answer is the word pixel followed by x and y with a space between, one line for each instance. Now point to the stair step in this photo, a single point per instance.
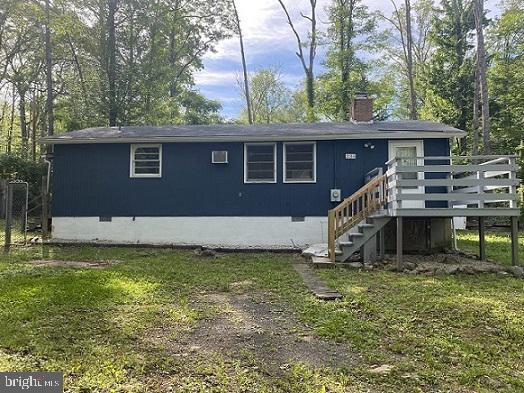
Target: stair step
pixel 345 244
pixel 366 225
pixel 322 262
pixel 355 234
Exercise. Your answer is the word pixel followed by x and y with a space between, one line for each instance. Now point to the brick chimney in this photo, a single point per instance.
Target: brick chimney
pixel 362 109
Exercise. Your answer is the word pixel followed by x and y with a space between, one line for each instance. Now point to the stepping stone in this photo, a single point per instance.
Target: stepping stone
pixel 315 284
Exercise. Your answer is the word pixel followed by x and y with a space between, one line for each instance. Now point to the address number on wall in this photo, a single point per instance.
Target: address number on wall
pixel 351 156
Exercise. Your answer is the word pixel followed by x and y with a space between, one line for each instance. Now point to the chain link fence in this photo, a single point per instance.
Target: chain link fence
pixel 14 196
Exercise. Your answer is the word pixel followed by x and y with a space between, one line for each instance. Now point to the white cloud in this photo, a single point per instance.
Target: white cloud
pixel 208 77
pixel 264 27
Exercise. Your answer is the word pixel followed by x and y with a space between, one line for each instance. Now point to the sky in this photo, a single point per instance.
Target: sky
pixel 268 42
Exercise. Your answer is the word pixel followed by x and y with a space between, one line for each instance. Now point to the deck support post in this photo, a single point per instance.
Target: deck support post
pixel 514 241
pixel 381 244
pixel 400 256
pixel 482 239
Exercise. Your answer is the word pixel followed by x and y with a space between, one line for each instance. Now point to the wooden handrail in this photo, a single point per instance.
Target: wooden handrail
pixel 352 210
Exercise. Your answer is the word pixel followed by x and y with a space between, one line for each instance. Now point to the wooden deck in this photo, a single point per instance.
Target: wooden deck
pixel 436 186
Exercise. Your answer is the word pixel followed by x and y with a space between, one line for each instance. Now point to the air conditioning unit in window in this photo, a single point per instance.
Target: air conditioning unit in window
pixel 219 157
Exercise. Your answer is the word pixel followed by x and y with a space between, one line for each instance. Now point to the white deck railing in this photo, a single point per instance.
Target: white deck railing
pixel 453 186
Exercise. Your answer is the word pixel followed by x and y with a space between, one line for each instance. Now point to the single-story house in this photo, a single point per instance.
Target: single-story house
pixel 228 185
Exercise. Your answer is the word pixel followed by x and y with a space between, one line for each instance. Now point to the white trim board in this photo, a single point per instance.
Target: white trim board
pixel 67 140
pixel 241 232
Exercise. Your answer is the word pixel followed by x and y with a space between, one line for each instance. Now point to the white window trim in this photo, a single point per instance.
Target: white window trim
pixel 132 158
pixel 219 162
pixel 314 163
pixel 246 181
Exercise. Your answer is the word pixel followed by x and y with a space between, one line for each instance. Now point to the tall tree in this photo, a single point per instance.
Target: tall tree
pixel 450 73
pixel 49 71
pixel 409 63
pixel 481 74
pixel 110 52
pixel 307 61
pixel 401 21
pixel 350 31
pixel 506 38
pixel 244 66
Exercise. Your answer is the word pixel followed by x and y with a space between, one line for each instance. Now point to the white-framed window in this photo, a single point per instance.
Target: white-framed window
pixel 260 163
pixel 219 157
pixel 300 162
pixel 146 161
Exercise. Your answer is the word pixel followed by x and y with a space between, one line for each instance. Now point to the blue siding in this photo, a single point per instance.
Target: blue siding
pixel 93 180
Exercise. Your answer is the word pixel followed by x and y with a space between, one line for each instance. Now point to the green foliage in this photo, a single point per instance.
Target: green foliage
pixel 272 101
pixel 506 73
pixel 449 76
pixel 351 30
pixel 15 168
pixel 144 77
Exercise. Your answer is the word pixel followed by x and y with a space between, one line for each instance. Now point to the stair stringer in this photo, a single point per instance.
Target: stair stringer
pixel 367 229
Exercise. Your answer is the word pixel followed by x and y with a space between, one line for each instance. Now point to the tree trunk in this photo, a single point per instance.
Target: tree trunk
pixel 111 65
pixel 11 122
pixel 346 33
pixel 475 121
pixel 481 64
pixel 244 66
pixel 306 65
pixel 23 124
pixel 34 124
pixel 310 92
pixel 49 72
pixel 413 115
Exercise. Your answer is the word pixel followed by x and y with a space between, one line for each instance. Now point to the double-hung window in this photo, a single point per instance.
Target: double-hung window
pixel 300 164
pixel 146 161
pixel 260 163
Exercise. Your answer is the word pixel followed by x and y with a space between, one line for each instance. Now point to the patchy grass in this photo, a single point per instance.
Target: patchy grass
pixel 497 245
pixel 17 236
pixel 459 333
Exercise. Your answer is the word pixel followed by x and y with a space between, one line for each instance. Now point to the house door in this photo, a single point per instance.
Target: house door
pixel 407 151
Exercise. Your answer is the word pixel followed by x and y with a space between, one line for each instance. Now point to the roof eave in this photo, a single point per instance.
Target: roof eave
pixel 256 138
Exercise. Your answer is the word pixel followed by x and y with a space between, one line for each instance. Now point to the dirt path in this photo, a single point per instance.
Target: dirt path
pixel 251 325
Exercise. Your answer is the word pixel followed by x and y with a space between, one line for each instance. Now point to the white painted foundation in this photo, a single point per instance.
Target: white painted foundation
pixel 234 232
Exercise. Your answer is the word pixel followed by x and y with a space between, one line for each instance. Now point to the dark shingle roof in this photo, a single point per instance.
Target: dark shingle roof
pixel 281 131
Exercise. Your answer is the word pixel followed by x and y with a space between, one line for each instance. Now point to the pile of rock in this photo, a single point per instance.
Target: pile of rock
pixel 442 264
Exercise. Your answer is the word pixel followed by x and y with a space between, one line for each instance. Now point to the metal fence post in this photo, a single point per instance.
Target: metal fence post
pixel 8 216
pixel 45 211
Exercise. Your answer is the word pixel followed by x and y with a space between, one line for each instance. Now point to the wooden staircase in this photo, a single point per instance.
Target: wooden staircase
pixel 358 218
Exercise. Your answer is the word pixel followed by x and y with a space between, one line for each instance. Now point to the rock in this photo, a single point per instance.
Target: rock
pixel 205 252
pixel 468 269
pixel 409 265
pixel 384 369
pixel 517 271
pixel 487 268
pixel 368 266
pixel 355 265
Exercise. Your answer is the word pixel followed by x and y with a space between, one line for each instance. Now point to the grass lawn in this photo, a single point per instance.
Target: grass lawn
pixel 497 245
pixel 165 320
